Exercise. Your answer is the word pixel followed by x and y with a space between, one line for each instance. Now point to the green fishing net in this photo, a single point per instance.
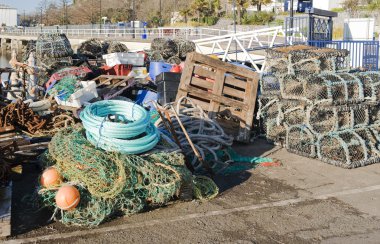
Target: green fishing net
pixel 65 87
pixel 112 184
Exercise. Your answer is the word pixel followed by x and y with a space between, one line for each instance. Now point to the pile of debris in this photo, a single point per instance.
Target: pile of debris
pixel 313 104
pixel 120 140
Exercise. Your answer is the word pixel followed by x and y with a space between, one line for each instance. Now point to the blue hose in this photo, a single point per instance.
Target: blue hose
pixel 130 132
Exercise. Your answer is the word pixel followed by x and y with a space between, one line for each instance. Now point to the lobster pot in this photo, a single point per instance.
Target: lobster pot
pixel 371 85
pixel 374 115
pixel 300 140
pixel 303 66
pixel 53 45
pixel 292 87
pixel 293 112
pixel 345 149
pixel 269 107
pixel 324 119
pixel 269 84
pixel 339 88
pixel 331 60
pixel 274 131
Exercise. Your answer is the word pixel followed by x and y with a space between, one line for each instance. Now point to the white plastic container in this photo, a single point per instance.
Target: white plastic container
pixel 136 59
pixel 81 96
pixel 140 72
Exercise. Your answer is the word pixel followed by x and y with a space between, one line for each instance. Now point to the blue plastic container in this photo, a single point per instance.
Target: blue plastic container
pixel 157 68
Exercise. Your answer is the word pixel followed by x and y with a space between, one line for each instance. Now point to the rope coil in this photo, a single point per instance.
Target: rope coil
pixel 119 126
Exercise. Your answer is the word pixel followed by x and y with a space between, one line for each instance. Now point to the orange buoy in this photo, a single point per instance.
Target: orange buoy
pixel 67 197
pixel 51 178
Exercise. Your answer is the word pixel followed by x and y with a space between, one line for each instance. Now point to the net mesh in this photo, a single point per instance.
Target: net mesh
pixel 310 100
pixel 112 183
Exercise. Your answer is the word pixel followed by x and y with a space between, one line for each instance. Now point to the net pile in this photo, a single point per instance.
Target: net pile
pixel 313 106
pixel 112 184
pixel 53 50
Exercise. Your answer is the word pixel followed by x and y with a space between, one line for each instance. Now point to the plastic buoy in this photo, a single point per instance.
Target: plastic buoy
pixel 176 69
pixel 67 197
pixel 51 178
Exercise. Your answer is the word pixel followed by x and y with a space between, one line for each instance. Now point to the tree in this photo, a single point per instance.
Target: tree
pixel 351 6
pixel 241 5
pixel 374 5
pixel 200 7
pixel 259 3
pixel 185 12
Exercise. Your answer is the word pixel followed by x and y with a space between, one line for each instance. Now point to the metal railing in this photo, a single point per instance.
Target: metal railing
pixel 246 46
pixel 363 54
pixel 129 33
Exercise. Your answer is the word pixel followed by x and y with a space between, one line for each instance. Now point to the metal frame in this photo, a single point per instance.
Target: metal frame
pixel 247 42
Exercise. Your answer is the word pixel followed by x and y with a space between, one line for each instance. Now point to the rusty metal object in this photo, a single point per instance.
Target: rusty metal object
pixel 22 117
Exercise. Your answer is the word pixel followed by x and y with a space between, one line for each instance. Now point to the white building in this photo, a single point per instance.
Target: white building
pixel 8 16
pixel 327 4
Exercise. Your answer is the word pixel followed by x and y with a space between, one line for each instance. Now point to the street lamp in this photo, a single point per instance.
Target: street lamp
pixel 133 19
pixel 100 10
pixel 234 8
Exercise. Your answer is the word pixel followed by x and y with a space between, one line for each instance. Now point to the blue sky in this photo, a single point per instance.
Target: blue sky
pixel 21 5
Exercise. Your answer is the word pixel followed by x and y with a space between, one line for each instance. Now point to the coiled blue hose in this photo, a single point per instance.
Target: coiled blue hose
pixel 130 132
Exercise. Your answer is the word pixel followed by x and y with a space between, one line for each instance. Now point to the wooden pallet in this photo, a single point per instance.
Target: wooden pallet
pixel 221 89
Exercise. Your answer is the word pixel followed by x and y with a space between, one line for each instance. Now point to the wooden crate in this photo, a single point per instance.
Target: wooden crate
pixel 221 88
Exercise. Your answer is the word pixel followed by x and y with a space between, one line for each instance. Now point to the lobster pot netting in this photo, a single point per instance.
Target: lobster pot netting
pixel 275 131
pixel 293 87
pixel 53 46
pixel 306 60
pixel 371 85
pixel 269 84
pixel 324 119
pixel 293 112
pixel 336 88
pixel 300 140
pixel 350 148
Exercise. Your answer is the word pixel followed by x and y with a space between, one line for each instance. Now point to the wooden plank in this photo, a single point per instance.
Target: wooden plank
pixel 197 57
pixel 233 92
pixel 229 102
pixel 202 71
pixel 7 129
pixel 5 210
pixel 202 83
pixel 186 76
pixel 8 135
pixel 217 91
pixel 103 82
pixel 40 145
pixel 230 80
pixel 251 94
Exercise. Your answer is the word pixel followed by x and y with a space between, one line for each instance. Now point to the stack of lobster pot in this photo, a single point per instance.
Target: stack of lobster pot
pixel 312 104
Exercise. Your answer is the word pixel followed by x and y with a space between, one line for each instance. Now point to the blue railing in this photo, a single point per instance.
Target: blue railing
pixel 363 54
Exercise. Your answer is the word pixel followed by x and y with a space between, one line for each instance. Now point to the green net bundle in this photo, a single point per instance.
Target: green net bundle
pixel 110 183
pixel 65 88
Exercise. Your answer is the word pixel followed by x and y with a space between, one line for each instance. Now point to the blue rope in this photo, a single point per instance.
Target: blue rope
pixel 137 136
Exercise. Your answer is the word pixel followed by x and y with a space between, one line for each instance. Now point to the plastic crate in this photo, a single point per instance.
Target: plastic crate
pixel 136 59
pixel 81 96
pixel 167 87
